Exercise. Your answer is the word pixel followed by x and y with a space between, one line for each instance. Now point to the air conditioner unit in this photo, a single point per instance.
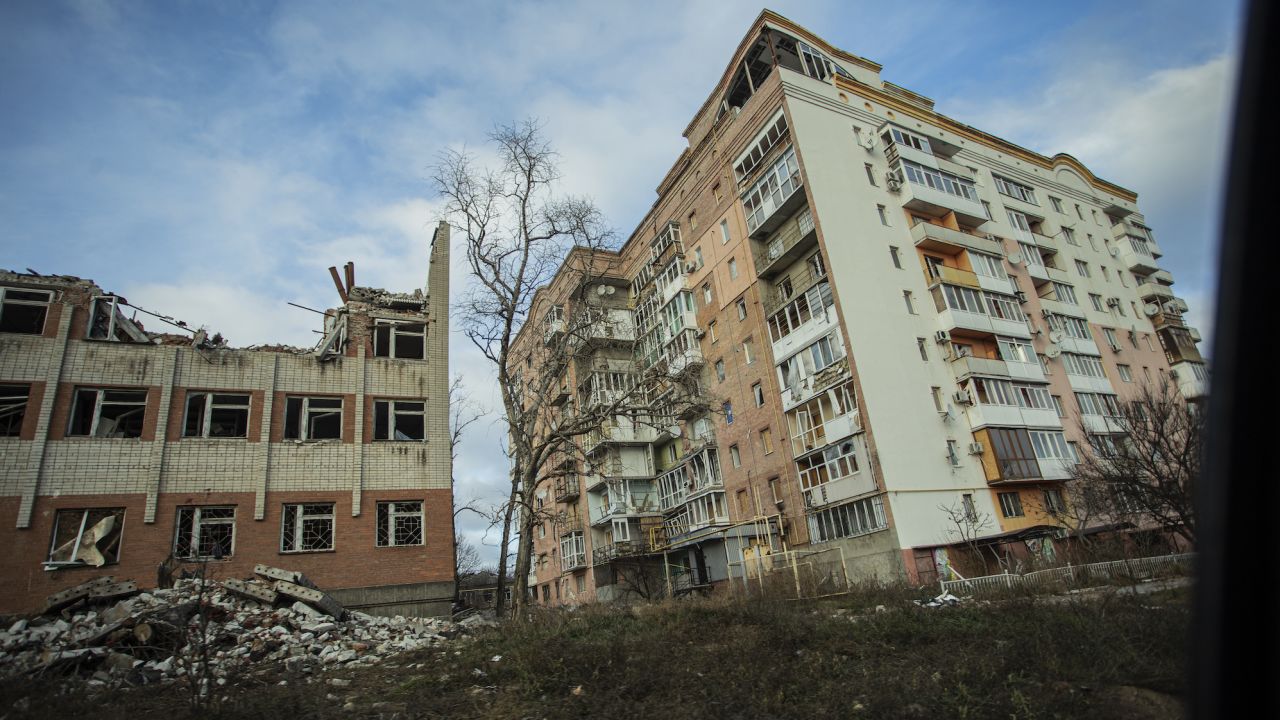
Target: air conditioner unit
pixel 962 397
pixel 1115 347
pixel 699 334
pixel 893 180
pixel 690 267
pixel 976 448
pixel 1115 252
pixel 1021 296
pixel 942 336
pixel 1113 302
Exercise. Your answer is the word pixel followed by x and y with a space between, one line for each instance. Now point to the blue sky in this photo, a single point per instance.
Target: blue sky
pixel 210 160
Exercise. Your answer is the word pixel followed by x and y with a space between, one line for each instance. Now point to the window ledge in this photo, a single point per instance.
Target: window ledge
pixel 51 566
pixel 305 552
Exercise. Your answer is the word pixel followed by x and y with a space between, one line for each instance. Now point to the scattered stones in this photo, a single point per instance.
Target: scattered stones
pixel 156 636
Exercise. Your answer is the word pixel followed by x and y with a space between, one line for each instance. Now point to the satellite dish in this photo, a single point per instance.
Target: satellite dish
pixel 1052 351
pixel 601 290
pixel 1151 310
pixel 609 289
pixel 1015 258
pixel 1055 336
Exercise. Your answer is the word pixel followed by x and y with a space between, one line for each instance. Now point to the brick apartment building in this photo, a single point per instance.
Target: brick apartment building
pixel 125 449
pixel 904 320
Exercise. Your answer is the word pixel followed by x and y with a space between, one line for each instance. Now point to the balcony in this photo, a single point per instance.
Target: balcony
pixel 621 549
pixel 569 524
pixel 775 196
pixel 823 434
pixel 628 434
pixel 1154 292
pixel 562 393
pixel 1192 378
pixel 790 287
pixel 793 238
pixel 928 236
pixel 1135 256
pixel 552 330
pixel 967 365
pixel 576 561
pixel 980 415
pixel 567 489
pixel 1045 243
pixel 957 276
pixel 1102 424
pixel 936 201
pixel 615 325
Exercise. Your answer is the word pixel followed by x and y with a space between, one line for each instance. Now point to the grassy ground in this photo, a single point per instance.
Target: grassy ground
pixel 1110 656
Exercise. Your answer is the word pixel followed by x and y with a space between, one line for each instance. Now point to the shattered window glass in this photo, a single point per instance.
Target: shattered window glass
pixel 399 523
pixel 88 537
pixel 307 527
pixel 204 532
pixel 217 416
pixel 23 311
pixel 399 420
pixel 13 408
pixel 399 340
pixel 108 413
pixel 313 418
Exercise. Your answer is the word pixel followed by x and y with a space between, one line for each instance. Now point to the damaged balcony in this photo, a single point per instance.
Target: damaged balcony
pixel 794 237
pixel 937 238
pixel 620 550
pixel 566 489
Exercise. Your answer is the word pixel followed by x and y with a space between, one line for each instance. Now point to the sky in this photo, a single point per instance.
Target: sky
pixel 211 160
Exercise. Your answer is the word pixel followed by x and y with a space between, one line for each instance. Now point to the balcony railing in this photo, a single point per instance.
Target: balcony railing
pixel 576 561
pixel 956 276
pixel 793 236
pixel 935 237
pixel 566 489
pixel 797 282
pixel 621 549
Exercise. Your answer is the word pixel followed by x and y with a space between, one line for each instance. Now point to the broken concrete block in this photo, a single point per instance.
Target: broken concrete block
pixel 18 626
pixel 252 590
pixel 289 576
pixel 118 612
pixel 305 609
pixel 314 598
pixel 114 590
pixel 59 600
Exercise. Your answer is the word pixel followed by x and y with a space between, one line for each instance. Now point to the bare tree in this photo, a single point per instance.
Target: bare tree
pixel 966 525
pixel 1145 472
pixel 521 236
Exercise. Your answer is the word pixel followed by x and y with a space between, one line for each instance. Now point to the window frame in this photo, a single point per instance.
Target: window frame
pixel 299 520
pixel 388 407
pixel 304 418
pixel 386 528
pixel 198 523
pixel 206 411
pixel 6 300
pixel 1011 504
pixel 13 415
pixel 100 400
pixel 116 543
pixel 393 334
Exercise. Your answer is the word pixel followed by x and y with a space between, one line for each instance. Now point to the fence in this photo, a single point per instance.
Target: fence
pixel 793 574
pixel 1074 575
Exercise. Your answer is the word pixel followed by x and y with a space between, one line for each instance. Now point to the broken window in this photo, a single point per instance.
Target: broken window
pixel 215 415
pixel 108 413
pixel 106 322
pixel 13 408
pixel 86 537
pixel 23 311
pixel 205 532
pixel 399 339
pixel 399 523
pixel 399 420
pixel 313 418
pixel 307 528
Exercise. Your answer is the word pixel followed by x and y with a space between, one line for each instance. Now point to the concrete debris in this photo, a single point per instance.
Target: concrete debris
pixel 160 636
pixel 946 599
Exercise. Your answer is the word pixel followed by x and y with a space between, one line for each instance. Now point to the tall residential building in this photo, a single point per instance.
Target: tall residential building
pixel 125 450
pixel 912 328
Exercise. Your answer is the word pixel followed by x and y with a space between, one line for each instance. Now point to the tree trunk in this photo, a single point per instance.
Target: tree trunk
pixel 499 601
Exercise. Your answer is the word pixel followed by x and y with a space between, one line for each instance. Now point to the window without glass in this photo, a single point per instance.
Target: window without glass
pixel 307 527
pixel 735 456
pixel 313 418
pixel 733 269
pixel 724 231
pixel 720 370
pixel 871 174
pixel 86 537
pixel 107 413
pixel 741 305
pixel 849 520
pixel 1057 204
pixel 399 523
pixel 403 420
pixel 832 463
pixel 216 415
pixel 13 409
pixel 884 218
pixel 757 390
pixel 23 311
pixel 399 339
pixel 204 532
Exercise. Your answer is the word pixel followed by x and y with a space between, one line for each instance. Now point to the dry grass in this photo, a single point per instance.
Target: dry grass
pixel 1110 656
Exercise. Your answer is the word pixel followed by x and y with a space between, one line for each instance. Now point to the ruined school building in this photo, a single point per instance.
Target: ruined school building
pixel 904 321
pixel 124 449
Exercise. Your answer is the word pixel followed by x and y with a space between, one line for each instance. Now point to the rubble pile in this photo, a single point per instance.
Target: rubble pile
pixel 265 624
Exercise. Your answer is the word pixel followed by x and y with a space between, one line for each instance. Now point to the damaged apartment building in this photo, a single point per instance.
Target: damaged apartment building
pixel 912 330
pixel 138 454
